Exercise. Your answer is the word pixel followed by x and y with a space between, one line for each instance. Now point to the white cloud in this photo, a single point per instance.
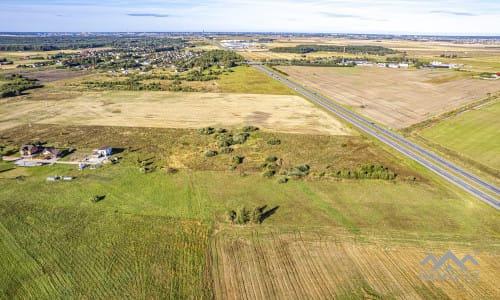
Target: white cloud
pixel 384 16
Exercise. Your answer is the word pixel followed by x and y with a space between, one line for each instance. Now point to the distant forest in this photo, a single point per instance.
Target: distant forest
pixel 49 43
pixel 302 49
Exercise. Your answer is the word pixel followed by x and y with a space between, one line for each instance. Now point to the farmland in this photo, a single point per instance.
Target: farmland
pixel 155 109
pixel 473 134
pixel 153 242
pixel 166 235
pixel 156 222
pixel 474 57
pixel 304 264
pixel 418 94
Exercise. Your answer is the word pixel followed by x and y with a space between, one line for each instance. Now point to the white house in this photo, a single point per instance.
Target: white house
pixel 103 151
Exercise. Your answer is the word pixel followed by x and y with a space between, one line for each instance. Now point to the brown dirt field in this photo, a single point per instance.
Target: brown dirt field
pixel 282 113
pixel 394 97
pixel 302 265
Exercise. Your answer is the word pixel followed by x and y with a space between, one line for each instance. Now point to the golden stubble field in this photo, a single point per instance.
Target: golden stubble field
pixel 283 113
pixel 395 97
pixel 471 56
pixel 304 265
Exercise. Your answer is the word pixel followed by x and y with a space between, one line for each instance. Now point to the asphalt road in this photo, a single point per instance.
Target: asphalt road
pixel 415 152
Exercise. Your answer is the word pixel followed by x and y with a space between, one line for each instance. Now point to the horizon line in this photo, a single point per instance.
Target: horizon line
pixel 496 35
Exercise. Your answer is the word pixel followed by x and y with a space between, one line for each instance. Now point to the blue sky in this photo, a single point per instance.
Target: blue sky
pixel 480 17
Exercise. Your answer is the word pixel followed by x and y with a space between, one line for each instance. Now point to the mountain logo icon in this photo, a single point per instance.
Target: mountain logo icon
pixel 449 256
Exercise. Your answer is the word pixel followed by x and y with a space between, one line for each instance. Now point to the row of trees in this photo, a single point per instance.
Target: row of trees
pixel 367 172
pixel 373 50
pixel 14 85
pixel 126 85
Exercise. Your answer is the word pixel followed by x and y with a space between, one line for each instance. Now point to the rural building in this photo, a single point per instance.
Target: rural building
pixel 30 150
pixel 102 152
pixel 51 153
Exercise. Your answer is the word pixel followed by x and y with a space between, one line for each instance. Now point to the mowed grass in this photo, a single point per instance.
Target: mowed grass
pixel 248 80
pixel 473 133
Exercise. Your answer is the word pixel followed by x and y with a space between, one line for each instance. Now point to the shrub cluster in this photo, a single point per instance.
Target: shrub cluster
pixel 206 130
pixel 226 150
pixel 282 180
pixel 271 159
pixel 411 178
pixel 245 216
pixel 14 85
pixel 228 139
pixel 237 160
pixel 268 173
pixel 297 171
pixel 367 172
pixel 249 129
pixel 211 153
pixel 274 141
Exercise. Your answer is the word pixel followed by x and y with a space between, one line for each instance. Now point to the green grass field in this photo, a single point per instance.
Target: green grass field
pixel 153 234
pixel 148 238
pixel 250 81
pixel 473 133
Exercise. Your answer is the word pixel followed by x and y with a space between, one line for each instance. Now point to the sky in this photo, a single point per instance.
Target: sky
pixel 434 17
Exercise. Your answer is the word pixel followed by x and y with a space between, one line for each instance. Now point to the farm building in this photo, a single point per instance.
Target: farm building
pixel 51 152
pixel 102 152
pixel 28 151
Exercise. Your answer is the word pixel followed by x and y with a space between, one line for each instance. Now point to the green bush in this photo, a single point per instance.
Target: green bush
pixel 367 172
pixel 210 153
pixel 269 173
pixel 225 140
pixel 257 215
pixel 274 141
pixel 206 130
pixel 297 171
pixel 231 216
pixel 243 216
pixel 249 129
pixel 272 166
pixel 240 138
pixel 282 180
pixel 271 159
pixel 238 160
pixel 411 178
pixel 226 150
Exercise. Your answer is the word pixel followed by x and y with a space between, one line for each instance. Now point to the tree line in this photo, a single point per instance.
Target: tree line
pixel 14 85
pixel 302 49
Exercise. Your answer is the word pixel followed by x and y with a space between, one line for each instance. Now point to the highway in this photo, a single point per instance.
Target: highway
pixel 408 148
